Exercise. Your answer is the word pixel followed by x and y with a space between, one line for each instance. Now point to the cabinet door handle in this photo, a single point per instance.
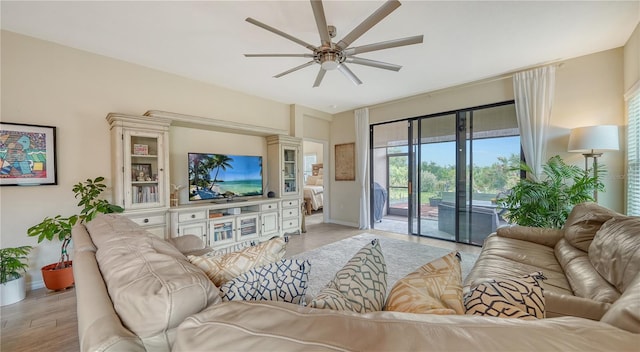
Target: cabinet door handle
pixel 193 216
pixel 145 221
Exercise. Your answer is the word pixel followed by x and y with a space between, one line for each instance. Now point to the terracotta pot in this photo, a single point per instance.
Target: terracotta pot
pixel 57 279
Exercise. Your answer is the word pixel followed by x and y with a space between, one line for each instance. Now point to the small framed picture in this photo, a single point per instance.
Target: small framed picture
pixel 140 172
pixel 27 155
pixel 140 149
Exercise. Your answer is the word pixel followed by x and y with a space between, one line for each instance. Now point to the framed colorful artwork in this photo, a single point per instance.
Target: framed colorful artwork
pixel 27 155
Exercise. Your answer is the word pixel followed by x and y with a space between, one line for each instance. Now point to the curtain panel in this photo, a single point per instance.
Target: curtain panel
pixel 362 165
pixel 533 91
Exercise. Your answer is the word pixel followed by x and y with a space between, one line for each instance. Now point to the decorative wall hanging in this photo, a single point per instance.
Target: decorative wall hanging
pixel 345 162
pixel 27 155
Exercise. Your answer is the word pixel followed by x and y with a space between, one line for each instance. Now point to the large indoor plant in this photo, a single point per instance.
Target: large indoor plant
pixel 547 202
pixel 59 275
pixel 12 269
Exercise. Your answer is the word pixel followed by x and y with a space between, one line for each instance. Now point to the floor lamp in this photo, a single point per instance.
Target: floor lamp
pixel 591 141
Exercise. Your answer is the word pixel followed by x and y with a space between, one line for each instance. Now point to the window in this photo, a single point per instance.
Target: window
pixel 633 153
pixel 309 160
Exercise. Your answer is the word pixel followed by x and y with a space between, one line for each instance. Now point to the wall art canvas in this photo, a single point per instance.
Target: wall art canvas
pixel 345 162
pixel 27 155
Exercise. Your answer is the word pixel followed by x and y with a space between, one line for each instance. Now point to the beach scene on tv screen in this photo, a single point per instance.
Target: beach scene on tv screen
pixel 217 176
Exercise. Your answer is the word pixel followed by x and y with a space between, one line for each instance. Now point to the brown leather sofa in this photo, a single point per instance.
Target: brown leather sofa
pixel 136 292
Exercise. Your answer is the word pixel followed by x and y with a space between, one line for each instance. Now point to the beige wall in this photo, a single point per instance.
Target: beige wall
pixel 589 91
pixel 632 60
pixel 309 147
pixel 345 195
pixel 47 84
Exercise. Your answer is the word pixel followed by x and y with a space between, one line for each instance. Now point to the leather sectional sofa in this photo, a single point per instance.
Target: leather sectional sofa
pixel 136 292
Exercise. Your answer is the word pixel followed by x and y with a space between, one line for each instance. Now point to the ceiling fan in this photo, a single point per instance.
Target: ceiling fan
pixel 332 55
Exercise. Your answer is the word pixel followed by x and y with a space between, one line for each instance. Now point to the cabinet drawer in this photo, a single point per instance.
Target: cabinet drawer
pixel 149 220
pixel 268 206
pixel 193 215
pixel 289 224
pixel 290 212
pixel 290 203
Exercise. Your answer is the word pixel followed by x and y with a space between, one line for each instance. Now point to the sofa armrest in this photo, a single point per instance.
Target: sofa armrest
pixel 188 243
pixel 544 236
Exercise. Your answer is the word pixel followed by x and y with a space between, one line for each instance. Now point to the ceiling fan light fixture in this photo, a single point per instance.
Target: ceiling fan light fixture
pixel 329 61
pixel 334 56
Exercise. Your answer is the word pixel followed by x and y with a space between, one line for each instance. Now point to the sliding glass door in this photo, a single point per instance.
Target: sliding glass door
pixel 445 176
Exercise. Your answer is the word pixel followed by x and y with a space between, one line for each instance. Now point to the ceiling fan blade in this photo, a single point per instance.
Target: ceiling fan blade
pixel 374 63
pixel 382 12
pixel 294 69
pixel 321 22
pixel 384 45
pixel 350 75
pixel 319 77
pixel 280 33
pixel 278 55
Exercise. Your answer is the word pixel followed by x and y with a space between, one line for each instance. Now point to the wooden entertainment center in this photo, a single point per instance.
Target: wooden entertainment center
pixel 140 167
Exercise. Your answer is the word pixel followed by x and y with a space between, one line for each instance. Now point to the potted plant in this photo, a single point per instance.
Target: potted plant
pixel 12 268
pixel 548 202
pixel 59 275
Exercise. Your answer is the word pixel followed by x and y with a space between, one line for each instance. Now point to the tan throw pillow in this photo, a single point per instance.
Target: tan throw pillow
pixel 434 288
pixel 228 266
pixel 508 298
pixel 360 286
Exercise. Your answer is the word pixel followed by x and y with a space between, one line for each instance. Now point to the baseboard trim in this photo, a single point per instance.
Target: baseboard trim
pixel 344 223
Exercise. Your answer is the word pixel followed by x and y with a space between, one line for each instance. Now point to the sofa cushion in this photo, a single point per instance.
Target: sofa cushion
pixel 510 258
pixel 278 326
pixel 360 286
pixel 615 251
pixel 434 288
pixel 223 268
pixel 152 286
pixel 507 298
pixel 582 276
pixel 583 222
pixel 625 312
pixel 286 280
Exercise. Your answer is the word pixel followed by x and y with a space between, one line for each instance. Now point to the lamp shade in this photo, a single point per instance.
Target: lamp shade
pixel 594 138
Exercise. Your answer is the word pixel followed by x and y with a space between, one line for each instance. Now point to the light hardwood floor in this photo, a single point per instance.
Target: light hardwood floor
pixel 46 320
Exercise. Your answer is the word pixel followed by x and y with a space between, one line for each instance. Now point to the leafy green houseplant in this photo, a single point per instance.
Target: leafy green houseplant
pixel 12 263
pixel 59 227
pixel 547 202
pixel 12 268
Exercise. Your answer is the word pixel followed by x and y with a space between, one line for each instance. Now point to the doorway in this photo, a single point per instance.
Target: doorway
pixel 446 170
pixel 314 185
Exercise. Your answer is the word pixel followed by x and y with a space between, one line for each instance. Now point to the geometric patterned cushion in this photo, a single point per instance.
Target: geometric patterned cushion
pixel 508 298
pixel 434 288
pixel 286 280
pixel 228 266
pixel 360 286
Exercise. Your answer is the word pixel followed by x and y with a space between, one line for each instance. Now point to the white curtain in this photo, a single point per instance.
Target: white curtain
pixel 362 165
pixel 533 91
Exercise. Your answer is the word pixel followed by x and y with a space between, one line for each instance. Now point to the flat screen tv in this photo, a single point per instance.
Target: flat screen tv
pixel 224 176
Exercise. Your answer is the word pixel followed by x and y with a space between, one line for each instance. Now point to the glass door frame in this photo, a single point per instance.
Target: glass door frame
pixel 464 184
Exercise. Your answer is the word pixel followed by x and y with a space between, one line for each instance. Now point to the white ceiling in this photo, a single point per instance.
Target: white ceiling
pixel 464 41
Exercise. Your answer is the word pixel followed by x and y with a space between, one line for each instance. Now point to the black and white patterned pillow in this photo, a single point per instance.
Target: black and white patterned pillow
pixel 360 286
pixel 286 280
pixel 508 298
